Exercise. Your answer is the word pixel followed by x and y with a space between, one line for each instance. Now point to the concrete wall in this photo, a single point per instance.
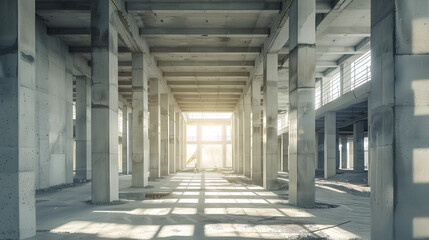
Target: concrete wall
pixel 54 109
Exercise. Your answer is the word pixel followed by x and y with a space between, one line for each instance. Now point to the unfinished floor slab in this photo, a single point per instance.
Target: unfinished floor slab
pixel 204 205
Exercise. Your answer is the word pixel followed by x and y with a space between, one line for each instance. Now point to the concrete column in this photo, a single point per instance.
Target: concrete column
pixel 337 149
pixel 285 152
pixel 301 99
pixel 223 147
pixel 17 119
pixel 256 132
pixel 399 120
pixel 320 150
pixel 240 127
pixel 140 120
pixel 247 114
pixel 165 162
pixel 358 147
pixel 130 145
pixel 343 152
pixel 83 128
pixel 234 141
pixel 270 109
pixel 104 99
pixel 177 142
pixel 125 157
pixel 155 129
pixel 330 153
pixel 350 155
pixel 280 153
pixel 172 137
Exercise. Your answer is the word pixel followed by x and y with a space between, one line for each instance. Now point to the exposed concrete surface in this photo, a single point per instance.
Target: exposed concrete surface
pixel 204 205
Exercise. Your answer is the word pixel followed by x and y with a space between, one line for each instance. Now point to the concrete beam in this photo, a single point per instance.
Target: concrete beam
pixel 230 32
pixel 345 32
pixel 205 63
pixel 206 83
pixel 199 95
pixel 204 50
pixel 206 90
pixel 206 74
pixel 204 6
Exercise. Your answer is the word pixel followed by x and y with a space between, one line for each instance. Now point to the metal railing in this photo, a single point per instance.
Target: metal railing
pixel 345 80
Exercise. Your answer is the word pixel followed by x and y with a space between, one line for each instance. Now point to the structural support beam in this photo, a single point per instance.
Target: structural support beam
pixel 358 147
pixel 125 141
pixel 172 136
pixel 205 64
pixel 256 132
pixel 165 156
pixel 140 122
pixel 240 137
pixel 204 6
pixel 301 98
pixel 399 120
pixel 247 133
pixel 17 121
pixel 285 141
pixel 104 115
pixel 204 50
pixel 343 153
pixel 155 129
pixel 232 32
pixel 83 128
pixel 330 168
pixel 270 109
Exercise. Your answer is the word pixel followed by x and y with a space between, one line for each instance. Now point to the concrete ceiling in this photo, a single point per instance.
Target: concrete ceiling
pixel 206 50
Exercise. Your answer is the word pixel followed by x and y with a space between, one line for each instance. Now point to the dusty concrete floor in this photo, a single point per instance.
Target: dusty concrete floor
pixel 206 205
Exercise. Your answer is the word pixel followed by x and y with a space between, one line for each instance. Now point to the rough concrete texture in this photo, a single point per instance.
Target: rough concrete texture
pixel 172 136
pixel 330 168
pixel 165 156
pixel 256 132
pixel 155 129
pixel 247 134
pixel 344 152
pixel 240 137
pixel 140 139
pixel 104 102
pixel 399 120
pixel 204 205
pixel 285 151
pixel 302 58
pixel 270 108
pixel 125 140
pixel 17 119
pixel 54 92
pixel 358 147
pixel 83 128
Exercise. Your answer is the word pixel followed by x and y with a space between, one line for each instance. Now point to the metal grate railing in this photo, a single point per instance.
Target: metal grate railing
pixel 348 78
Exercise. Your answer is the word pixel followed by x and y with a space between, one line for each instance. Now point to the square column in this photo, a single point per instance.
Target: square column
pixel 178 148
pixel 330 153
pixel 256 132
pixel 343 152
pixel 234 142
pixel 125 157
pixel 302 58
pixel 399 120
pixel 140 120
pixel 104 108
pixel 165 163
pixel 240 138
pixel 83 128
pixel 320 143
pixel 350 153
pixel 155 129
pixel 17 119
pixel 172 138
pixel 130 145
pixel 270 110
pixel 247 130
pixel 358 147
pixel 285 151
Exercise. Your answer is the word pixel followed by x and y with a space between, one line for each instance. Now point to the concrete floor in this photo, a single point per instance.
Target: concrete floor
pixel 206 205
